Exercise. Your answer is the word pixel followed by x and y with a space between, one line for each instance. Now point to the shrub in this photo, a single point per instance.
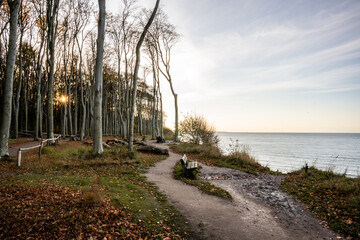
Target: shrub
pixel 131 154
pixel 240 152
pixel 47 150
pixel 195 129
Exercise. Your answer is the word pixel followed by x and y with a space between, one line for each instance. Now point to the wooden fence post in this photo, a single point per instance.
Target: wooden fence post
pixel 40 147
pixel 19 157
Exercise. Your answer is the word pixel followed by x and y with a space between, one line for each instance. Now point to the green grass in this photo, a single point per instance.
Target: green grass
pixel 205 187
pixel 12 141
pixel 332 197
pixel 212 155
pixel 115 173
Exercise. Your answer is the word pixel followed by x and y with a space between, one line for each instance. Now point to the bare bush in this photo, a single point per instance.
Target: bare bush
pixel 195 129
pixel 240 152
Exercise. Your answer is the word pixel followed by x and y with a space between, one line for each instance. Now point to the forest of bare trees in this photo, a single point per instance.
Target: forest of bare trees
pixel 72 67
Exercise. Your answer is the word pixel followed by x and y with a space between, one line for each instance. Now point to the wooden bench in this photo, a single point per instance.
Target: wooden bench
pixel 188 164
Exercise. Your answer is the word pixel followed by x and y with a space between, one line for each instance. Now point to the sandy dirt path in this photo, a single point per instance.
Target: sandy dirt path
pixel 245 217
pixel 13 149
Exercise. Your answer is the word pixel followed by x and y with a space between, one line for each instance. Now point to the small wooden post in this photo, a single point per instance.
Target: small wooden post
pixel 19 157
pixel 40 147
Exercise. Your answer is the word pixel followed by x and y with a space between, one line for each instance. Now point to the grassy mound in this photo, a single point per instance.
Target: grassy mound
pixel 205 187
pixel 211 155
pixel 332 197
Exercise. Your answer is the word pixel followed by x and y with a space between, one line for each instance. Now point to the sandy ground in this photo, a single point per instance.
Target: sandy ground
pixel 14 148
pixel 259 210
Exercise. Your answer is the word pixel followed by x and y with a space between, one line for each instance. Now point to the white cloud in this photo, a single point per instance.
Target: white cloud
pixel 254 47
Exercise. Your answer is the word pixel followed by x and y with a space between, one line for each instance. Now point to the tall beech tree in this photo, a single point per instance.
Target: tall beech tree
pixel 82 17
pixel 23 21
pixel 167 39
pixel 136 71
pixel 59 55
pixel 9 79
pixel 160 41
pixel 98 148
pixel 52 22
pixel 41 25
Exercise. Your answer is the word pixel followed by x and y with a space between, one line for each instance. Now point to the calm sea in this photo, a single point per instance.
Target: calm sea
pixel 287 152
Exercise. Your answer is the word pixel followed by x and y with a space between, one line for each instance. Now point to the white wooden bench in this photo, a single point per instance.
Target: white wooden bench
pixel 188 164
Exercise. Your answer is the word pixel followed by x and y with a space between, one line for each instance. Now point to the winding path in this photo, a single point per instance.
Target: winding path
pixel 245 217
pixel 13 149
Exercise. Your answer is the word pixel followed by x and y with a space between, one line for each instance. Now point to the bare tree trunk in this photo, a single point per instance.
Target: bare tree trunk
pixel 64 129
pixel 136 71
pixel 98 148
pixel 161 111
pixel 69 97
pixel 9 78
pixel 52 8
pixel 92 87
pixel 82 129
pixel 76 102
pixel 121 119
pixel 18 91
pixel 115 113
pixel 26 101
pixel 38 102
pixel 91 106
pixel 153 133
pixel 87 93
pixel 140 118
pixel 104 112
pixel 127 98
pixel 176 137
pixel 38 96
pixel 38 74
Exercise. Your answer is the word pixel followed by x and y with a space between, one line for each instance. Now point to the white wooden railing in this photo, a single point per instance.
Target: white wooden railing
pixel 40 146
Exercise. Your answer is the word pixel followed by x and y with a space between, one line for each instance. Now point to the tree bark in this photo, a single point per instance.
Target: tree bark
pixel 18 91
pixel 153 134
pixel 115 131
pixel 104 112
pixel 69 92
pixel 65 62
pixel 76 102
pixel 98 148
pixel 87 93
pixel 82 128
pixel 26 101
pixel 52 9
pixel 136 71
pixel 9 79
pixel 161 111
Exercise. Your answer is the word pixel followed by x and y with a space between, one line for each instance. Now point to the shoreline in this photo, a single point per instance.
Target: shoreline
pixel 289 152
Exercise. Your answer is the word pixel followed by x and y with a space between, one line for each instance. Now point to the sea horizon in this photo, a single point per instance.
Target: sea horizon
pixel 287 152
pixel 292 132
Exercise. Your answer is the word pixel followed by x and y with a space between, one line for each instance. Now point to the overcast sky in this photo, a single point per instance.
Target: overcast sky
pixel 266 66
